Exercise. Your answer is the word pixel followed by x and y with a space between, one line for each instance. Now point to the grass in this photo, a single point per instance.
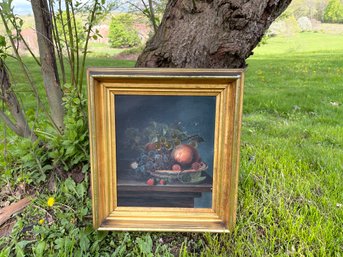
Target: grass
pixel 292 157
pixel 290 185
pixel 101 50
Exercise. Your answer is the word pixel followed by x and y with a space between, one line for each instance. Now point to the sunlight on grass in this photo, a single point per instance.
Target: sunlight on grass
pixel 292 151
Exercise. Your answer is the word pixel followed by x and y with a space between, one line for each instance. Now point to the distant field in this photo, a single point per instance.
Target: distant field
pixel 331 28
pixel 305 42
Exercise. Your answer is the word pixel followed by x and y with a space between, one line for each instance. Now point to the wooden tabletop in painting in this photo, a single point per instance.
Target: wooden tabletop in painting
pixel 126 183
pixel 135 192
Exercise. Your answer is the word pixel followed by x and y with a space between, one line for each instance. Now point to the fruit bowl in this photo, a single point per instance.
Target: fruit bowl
pixel 184 176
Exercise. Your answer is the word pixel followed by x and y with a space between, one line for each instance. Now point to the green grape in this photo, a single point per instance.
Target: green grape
pixel 168 145
pixel 177 141
pixel 158 146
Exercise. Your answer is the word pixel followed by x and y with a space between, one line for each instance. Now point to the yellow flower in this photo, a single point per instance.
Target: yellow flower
pixel 51 201
pixel 41 221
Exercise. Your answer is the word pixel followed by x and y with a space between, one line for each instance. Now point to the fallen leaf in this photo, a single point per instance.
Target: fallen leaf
pixel 7 212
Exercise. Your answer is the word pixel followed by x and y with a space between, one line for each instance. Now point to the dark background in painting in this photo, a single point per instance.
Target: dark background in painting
pixel 194 114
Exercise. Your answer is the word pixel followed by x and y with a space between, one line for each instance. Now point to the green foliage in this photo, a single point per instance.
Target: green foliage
pixel 334 12
pixel 31 162
pixel 122 32
pixel 71 148
pixel 3 48
pixel 312 9
pixel 64 24
pixel 64 229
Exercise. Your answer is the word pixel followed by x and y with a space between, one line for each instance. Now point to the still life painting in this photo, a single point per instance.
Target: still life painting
pixel 165 150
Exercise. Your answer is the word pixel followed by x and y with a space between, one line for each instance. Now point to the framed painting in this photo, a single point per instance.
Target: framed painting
pixel 164 148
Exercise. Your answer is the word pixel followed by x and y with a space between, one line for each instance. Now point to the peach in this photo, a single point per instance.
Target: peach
pixel 185 154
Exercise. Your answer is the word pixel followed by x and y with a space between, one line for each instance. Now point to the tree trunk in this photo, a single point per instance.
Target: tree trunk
pixel 210 33
pixel 20 126
pixel 48 60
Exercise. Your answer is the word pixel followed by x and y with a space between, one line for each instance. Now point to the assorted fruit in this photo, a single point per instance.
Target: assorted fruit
pixel 182 157
pixel 168 150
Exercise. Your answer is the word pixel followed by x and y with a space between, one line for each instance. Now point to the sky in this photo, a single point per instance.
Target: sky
pixel 22 7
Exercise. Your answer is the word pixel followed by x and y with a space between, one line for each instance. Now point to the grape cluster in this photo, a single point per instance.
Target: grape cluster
pixel 154 160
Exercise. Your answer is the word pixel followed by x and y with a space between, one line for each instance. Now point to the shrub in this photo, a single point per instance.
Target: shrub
pixel 334 12
pixel 63 29
pixel 122 32
pixel 286 25
pixel 305 24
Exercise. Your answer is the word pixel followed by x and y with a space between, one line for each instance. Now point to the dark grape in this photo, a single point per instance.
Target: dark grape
pixel 142 169
pixel 165 158
pixel 158 157
pixel 149 165
pixel 152 153
pixel 144 157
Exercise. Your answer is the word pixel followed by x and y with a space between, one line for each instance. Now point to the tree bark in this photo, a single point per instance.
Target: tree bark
pixel 49 70
pixel 210 33
pixel 20 125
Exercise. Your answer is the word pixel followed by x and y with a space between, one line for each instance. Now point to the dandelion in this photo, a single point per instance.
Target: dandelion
pixel 41 221
pixel 51 201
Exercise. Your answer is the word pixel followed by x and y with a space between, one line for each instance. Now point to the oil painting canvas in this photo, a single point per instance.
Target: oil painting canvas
pixel 165 147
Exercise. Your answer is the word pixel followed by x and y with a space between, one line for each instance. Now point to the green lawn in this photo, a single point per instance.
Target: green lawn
pixel 101 50
pixel 290 188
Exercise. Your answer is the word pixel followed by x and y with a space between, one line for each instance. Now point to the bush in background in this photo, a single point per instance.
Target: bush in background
pixel 313 9
pixel 286 25
pixel 122 32
pixel 334 12
pixel 305 24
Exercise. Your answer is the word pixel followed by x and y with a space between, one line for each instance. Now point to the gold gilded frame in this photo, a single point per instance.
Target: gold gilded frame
pixel 225 85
